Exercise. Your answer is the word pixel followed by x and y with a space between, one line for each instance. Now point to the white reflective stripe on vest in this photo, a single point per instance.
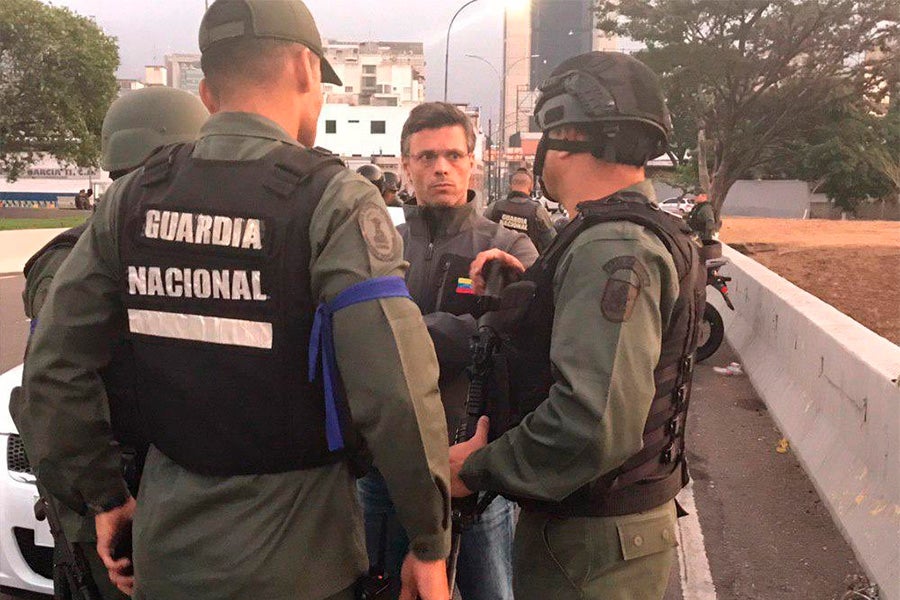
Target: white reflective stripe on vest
pixel 201 328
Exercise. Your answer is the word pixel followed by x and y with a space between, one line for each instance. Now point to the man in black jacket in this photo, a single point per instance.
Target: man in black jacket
pixel 442 235
pixel 520 212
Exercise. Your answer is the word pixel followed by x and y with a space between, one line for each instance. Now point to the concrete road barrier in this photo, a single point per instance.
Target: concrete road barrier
pixel 17 246
pixel 831 386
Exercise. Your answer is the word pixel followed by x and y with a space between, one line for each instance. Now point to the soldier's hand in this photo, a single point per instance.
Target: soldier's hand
pixel 475 269
pixel 460 452
pixel 423 579
pixel 113 526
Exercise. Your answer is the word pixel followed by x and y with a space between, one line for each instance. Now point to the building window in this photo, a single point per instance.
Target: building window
pixel 369 69
pixel 385 101
pixel 348 89
pixel 378 127
pixel 330 126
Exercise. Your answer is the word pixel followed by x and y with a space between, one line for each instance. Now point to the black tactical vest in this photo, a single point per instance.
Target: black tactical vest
pixel 217 291
pixel 518 216
pixel 654 475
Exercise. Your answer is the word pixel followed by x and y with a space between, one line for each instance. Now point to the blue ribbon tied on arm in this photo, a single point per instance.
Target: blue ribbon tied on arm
pixel 321 344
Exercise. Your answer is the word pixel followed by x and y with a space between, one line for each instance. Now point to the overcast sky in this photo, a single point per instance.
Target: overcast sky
pixel 147 30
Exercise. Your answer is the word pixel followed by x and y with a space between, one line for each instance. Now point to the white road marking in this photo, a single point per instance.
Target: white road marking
pixel 696 577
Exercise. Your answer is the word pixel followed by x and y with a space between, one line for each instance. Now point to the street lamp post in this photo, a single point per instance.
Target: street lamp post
pixel 447 49
pixel 502 80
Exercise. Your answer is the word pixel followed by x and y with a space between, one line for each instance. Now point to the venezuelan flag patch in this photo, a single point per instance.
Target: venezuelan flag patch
pixel 464 286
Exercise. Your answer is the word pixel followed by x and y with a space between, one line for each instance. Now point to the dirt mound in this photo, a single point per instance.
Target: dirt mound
pixel 852 265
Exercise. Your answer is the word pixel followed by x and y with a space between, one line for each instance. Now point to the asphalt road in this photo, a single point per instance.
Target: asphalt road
pixel 766 532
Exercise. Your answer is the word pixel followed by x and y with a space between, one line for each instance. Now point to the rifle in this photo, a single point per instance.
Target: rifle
pixel 484 345
pixel 73 566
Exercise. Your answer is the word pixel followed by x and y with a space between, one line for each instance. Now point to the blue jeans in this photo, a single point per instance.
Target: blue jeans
pixel 485 556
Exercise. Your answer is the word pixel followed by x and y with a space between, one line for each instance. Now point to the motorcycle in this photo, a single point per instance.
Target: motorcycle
pixel 712 329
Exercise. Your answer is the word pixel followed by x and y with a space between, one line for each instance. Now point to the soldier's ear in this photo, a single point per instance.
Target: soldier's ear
pixel 208 97
pixel 305 68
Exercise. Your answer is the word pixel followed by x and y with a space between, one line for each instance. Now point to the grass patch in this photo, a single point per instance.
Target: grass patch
pixel 55 223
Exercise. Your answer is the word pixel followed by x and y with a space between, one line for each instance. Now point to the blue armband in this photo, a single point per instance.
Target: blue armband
pixel 321 344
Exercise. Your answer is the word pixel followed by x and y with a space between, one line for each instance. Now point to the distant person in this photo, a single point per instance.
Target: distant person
pixel 702 218
pixel 80 200
pixel 520 212
pixel 374 174
pixel 134 126
pixel 391 189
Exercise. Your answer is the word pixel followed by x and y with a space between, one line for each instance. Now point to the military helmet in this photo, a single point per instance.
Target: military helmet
pixel 599 87
pixel 374 174
pixel 615 95
pixel 391 182
pixel 143 120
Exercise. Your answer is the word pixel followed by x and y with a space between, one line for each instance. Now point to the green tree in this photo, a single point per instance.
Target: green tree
pixel 756 75
pixel 57 78
pixel 853 156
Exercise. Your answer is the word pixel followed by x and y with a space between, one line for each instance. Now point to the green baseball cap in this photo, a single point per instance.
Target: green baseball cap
pixel 287 20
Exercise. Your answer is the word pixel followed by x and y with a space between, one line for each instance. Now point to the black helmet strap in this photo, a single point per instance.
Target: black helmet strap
pixel 602 148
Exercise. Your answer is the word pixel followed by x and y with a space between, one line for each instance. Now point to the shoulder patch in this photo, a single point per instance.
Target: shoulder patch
pixel 627 276
pixel 376 228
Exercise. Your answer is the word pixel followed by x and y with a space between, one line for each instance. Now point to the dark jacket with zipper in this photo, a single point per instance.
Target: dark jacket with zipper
pixel 439 243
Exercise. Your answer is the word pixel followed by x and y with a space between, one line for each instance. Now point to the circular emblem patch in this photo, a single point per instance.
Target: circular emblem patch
pixel 377 230
pixel 627 276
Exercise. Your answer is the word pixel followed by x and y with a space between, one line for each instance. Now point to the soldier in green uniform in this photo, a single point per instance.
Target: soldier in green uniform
pixel 134 126
pixel 702 218
pixel 212 259
pixel 600 364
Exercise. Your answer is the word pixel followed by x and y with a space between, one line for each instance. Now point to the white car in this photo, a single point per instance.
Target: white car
pixel 679 206
pixel 26 546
